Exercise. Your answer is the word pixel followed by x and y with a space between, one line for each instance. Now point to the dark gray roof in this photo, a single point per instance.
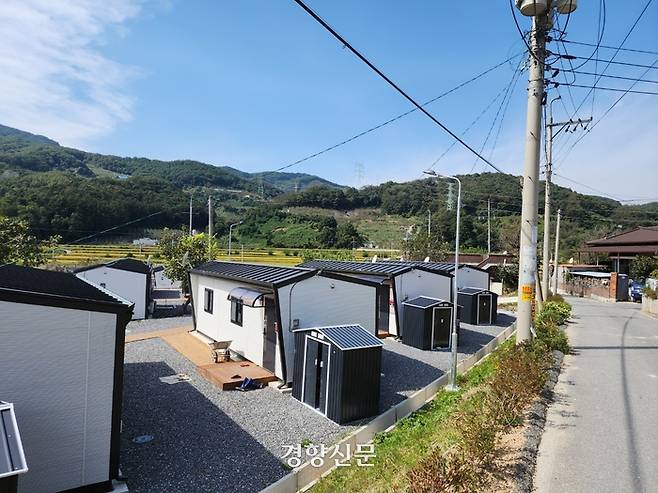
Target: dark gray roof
pixel 377 268
pixel 40 282
pixel 425 302
pixel 348 336
pixel 127 264
pixel 446 267
pixel 467 290
pixel 263 275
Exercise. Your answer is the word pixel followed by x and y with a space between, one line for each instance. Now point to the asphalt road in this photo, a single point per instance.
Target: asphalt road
pixel 602 432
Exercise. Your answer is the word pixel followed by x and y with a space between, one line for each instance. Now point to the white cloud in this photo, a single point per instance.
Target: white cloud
pixel 54 79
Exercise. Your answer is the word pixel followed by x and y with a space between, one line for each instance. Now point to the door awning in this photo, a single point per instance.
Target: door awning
pixel 249 296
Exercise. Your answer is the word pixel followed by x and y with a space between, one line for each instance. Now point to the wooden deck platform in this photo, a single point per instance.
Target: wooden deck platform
pixel 142 336
pixel 230 374
pixel 227 375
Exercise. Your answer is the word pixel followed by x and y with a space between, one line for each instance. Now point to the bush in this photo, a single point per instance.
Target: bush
pixel 556 297
pixel 519 378
pixel 556 312
pixel 650 293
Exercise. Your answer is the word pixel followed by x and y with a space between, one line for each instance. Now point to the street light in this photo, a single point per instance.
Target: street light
pixel 230 236
pixel 453 337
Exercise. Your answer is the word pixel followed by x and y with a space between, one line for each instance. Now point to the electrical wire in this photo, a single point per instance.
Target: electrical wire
pixel 398 117
pixel 508 90
pixel 468 128
pixel 647 52
pixel 612 62
pixel 601 31
pixel 346 44
pixel 614 89
pixel 619 77
pixel 630 31
pixel 607 111
pixel 518 28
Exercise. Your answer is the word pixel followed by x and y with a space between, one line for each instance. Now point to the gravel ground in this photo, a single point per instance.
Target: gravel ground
pixel 151 324
pixel 209 440
pixel 406 369
pixel 205 439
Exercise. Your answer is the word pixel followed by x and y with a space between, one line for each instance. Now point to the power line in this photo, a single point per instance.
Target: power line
pixel 648 52
pixel 608 76
pixel 586 186
pixel 612 62
pixel 398 117
pixel 601 31
pixel 391 83
pixel 614 89
pixel 607 111
pixel 508 90
pixel 630 31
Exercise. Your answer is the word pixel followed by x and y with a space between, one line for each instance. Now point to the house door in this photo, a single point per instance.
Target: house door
pixel 484 309
pixel 442 326
pixel 316 372
pixel 383 309
pixel 269 335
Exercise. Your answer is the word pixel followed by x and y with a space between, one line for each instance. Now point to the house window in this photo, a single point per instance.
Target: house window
pixel 236 312
pixel 207 300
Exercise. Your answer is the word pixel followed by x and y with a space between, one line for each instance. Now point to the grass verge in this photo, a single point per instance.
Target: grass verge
pixel 450 444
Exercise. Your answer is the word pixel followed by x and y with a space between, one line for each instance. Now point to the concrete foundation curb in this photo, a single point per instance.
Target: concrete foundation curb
pixel 306 475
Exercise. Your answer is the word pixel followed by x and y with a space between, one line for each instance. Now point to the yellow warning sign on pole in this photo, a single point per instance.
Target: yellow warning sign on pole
pixel 527 292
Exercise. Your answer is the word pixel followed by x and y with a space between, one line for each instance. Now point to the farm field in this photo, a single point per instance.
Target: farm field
pixel 79 255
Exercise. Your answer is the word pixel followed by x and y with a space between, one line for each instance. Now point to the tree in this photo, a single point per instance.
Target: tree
pixel 182 252
pixel 17 246
pixel 347 236
pixel 421 246
pixel 642 265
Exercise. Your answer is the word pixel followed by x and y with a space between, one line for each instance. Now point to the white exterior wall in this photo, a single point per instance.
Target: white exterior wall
pixel 128 285
pixel 420 283
pixel 57 367
pixel 316 304
pixel 247 340
pixel 472 278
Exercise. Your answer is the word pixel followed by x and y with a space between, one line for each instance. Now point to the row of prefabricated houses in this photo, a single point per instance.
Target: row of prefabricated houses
pixel 62 344
pixel 260 307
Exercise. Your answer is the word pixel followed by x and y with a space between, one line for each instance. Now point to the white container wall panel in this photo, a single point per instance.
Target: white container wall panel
pixel 420 283
pixel 321 301
pixel 247 340
pixel 57 368
pixel 467 277
pixel 128 285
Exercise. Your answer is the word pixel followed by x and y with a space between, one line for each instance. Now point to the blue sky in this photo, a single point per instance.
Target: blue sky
pixel 258 84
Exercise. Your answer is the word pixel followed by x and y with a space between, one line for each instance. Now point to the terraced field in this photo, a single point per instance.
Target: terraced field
pixel 78 255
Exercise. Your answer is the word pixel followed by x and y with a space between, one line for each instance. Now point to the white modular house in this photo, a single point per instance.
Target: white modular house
pixel 257 307
pixel 396 284
pixel 467 275
pixel 61 365
pixel 130 279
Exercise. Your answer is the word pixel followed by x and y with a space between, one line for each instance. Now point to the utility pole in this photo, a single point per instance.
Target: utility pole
pixel 547 200
pixel 557 250
pixel 528 243
pixel 429 223
pixel 547 194
pixel 190 232
pixel 210 227
pixel 210 218
pixel 488 227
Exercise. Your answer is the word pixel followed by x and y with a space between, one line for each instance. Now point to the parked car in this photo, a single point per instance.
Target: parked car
pixel 635 290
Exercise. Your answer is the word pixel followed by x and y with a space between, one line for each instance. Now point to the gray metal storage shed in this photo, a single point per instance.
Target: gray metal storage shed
pixel 12 457
pixel 427 322
pixel 337 371
pixel 479 306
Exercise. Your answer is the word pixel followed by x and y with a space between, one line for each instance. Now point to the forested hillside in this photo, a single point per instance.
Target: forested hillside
pixel 74 193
